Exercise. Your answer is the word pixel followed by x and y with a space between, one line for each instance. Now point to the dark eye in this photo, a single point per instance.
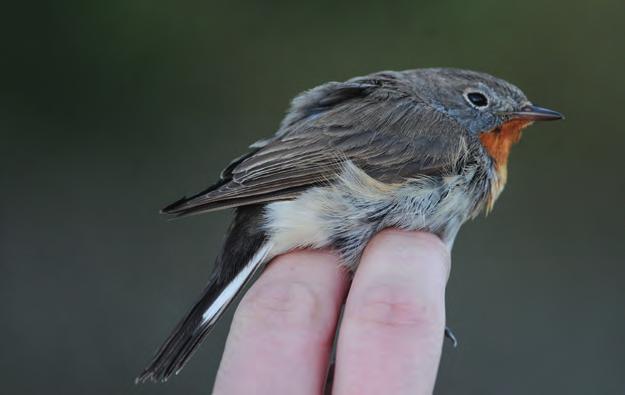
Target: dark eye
pixel 477 99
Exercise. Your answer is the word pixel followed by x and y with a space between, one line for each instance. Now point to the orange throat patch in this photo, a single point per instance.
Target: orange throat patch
pixel 497 143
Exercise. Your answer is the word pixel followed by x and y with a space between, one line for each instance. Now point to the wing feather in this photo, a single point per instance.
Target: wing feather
pixel 375 122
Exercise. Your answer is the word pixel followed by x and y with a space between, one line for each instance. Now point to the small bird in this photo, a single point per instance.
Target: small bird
pixel 423 149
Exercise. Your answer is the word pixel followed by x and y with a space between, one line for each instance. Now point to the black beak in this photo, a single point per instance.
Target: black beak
pixel 535 113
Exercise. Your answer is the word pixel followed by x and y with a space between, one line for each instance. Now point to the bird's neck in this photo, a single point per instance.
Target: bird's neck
pixel 497 144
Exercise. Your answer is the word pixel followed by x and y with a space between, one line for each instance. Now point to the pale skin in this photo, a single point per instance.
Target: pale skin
pixel 391 334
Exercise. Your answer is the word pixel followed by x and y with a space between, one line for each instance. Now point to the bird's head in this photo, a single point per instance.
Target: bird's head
pixel 490 108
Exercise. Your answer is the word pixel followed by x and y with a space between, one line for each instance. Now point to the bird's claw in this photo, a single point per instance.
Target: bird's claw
pixel 450 335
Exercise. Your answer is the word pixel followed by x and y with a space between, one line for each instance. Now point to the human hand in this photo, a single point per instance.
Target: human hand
pixel 391 334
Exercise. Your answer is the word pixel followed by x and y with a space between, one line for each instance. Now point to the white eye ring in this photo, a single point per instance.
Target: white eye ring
pixel 476 98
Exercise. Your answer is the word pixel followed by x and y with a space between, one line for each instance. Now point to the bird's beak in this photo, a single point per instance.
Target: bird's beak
pixel 535 113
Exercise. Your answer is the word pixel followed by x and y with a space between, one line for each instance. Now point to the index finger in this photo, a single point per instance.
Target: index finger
pixel 391 336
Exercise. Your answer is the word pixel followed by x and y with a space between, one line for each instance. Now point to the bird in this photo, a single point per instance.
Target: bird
pixel 423 149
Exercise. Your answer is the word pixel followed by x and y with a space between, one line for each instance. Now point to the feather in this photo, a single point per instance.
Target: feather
pixel 245 251
pixel 376 123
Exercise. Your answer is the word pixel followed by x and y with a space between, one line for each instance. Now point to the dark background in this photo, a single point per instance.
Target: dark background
pixel 111 109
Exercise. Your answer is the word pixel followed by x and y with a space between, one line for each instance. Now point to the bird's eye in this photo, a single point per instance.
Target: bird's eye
pixel 477 99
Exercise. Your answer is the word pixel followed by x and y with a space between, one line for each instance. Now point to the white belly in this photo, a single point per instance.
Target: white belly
pixel 346 214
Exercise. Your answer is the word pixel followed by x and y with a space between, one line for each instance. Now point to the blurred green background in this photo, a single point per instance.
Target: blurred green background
pixel 111 109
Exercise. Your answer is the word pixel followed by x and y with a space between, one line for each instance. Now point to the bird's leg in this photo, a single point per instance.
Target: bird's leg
pixel 450 335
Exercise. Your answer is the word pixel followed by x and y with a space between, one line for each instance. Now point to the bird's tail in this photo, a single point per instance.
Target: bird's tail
pixel 244 252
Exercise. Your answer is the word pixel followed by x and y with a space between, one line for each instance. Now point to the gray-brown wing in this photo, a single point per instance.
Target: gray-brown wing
pixel 375 123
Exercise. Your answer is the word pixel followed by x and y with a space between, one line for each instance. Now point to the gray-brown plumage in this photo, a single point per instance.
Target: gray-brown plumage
pixel 421 149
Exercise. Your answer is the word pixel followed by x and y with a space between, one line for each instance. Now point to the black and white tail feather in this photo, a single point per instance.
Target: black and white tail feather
pixel 245 251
